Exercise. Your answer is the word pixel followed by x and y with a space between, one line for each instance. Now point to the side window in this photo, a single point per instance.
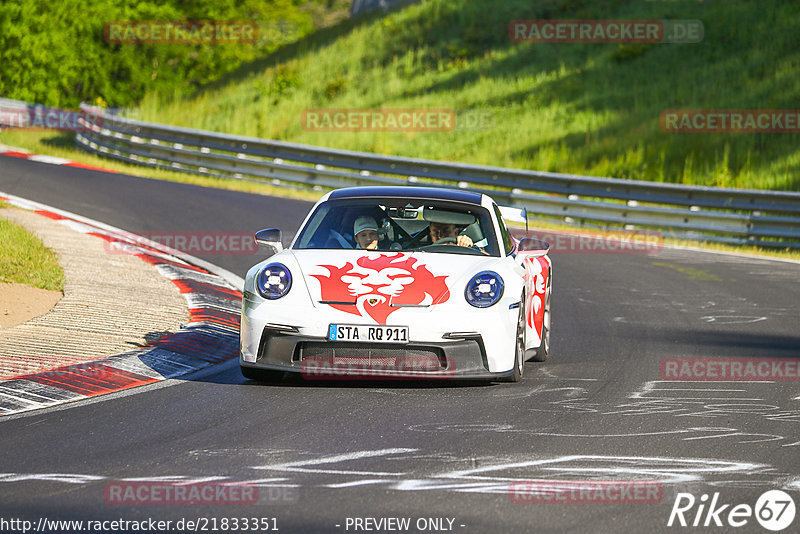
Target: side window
pixel 508 243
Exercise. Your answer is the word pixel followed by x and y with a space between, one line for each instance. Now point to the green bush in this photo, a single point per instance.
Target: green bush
pixel 54 53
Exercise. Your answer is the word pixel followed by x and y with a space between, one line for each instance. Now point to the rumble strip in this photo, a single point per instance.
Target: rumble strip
pixel 211 337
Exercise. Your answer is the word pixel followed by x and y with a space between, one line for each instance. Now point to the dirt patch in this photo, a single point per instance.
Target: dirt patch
pixel 20 303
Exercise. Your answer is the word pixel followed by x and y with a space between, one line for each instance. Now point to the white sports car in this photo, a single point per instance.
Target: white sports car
pixel 408 282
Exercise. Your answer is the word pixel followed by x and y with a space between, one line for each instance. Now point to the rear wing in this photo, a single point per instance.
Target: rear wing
pixel 528 246
pixel 513 214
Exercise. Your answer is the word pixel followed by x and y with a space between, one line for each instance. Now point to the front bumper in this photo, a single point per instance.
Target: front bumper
pixel 281 349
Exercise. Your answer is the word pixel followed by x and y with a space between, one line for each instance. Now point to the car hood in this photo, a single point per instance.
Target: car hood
pixel 375 284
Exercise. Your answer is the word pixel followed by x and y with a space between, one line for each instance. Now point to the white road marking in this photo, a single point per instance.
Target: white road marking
pixel 302 465
pixel 358 483
pixel 732 319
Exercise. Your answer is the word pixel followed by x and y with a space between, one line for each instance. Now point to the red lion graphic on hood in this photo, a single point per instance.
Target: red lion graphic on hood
pixel 380 286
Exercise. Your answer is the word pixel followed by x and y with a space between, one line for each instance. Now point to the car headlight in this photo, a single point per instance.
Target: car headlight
pixel 274 281
pixel 484 289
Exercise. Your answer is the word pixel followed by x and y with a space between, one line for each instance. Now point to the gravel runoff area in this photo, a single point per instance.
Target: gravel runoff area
pixel 113 302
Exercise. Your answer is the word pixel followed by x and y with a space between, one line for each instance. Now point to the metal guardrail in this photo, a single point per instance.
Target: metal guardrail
pixel 738 216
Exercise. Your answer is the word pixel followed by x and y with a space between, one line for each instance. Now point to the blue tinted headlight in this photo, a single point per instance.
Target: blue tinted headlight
pixel 274 281
pixel 484 290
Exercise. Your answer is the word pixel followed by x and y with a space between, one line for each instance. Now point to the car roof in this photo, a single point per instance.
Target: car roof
pixel 434 193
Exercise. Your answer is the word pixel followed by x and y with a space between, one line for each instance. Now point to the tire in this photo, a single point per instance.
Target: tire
pixel 519 346
pixel 543 351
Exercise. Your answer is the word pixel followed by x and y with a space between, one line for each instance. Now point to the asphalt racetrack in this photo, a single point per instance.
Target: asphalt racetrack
pixel 467 458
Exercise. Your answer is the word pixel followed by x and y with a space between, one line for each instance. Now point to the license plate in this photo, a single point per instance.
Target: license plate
pixel 368 333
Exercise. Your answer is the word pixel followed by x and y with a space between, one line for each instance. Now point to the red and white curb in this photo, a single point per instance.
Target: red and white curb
pixel 52 160
pixel 212 336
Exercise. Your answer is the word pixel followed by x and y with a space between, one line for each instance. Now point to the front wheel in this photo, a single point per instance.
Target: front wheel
pixel 519 346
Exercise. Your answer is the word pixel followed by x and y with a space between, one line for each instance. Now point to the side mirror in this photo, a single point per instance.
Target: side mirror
pixel 271 237
pixel 530 246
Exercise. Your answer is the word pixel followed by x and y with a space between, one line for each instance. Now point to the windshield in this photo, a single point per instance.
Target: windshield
pixel 400 225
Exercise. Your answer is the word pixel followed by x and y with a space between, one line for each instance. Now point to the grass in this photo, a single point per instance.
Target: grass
pixel 25 260
pixel 589 109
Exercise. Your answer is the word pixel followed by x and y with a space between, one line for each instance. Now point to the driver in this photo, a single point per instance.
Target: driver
pixel 365 230
pixel 444 230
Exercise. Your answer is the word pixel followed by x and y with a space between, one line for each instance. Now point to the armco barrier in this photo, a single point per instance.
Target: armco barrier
pixel 737 216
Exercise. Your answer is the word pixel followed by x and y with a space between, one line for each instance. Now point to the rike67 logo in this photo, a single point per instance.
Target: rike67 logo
pixel 774 510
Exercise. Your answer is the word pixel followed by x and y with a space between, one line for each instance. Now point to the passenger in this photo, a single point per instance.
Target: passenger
pixel 365 230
